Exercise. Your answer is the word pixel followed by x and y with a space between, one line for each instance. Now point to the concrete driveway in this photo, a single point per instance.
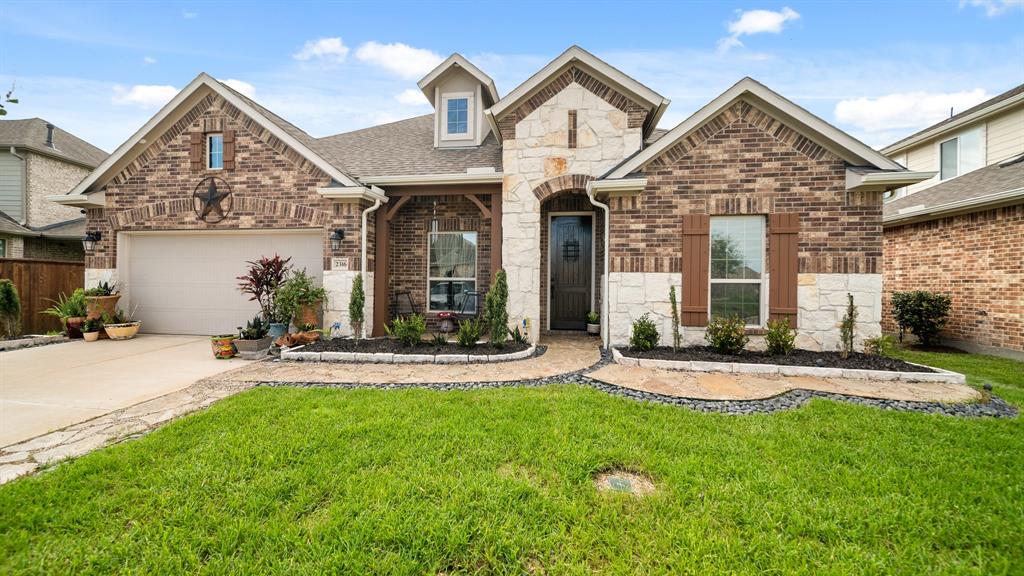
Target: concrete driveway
pixel 50 387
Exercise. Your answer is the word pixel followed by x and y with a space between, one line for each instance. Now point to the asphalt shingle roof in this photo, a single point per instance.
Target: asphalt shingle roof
pixel 9 226
pixel 983 182
pixel 31 134
pixel 994 100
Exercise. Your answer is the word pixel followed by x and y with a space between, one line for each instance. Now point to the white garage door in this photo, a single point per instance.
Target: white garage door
pixel 186 283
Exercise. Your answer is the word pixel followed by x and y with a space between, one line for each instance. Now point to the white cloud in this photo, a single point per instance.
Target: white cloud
pixel 189 15
pixel 905 110
pixel 402 59
pixel 241 86
pixel 327 50
pixel 412 97
pixel 993 8
pixel 147 60
pixel 756 22
pixel 143 95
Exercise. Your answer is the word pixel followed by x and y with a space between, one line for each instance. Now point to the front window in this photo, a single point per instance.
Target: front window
pixel 962 154
pixel 451 271
pixel 215 151
pixel 737 266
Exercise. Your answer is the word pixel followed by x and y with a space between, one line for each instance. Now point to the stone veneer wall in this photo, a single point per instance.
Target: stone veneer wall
pixel 46 176
pixel 338 284
pixel 978 260
pixel 535 150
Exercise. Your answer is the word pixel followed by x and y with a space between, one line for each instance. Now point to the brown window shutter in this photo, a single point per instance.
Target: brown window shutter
pixel 196 151
pixel 783 239
pixel 696 260
pixel 229 149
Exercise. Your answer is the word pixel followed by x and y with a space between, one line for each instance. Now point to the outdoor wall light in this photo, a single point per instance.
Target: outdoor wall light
pixel 90 240
pixel 336 238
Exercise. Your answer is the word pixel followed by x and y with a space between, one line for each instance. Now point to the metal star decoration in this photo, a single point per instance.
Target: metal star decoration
pixel 209 204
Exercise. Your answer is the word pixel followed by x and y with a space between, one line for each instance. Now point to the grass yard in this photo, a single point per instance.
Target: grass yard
pixel 499 481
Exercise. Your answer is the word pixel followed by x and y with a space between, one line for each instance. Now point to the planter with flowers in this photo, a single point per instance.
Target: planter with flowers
pixel 101 299
pixel 254 341
pixel 261 282
pixel 301 299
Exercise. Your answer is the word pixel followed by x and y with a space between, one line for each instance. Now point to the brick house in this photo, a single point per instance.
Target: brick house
pixel 961 232
pixel 752 206
pixel 38 160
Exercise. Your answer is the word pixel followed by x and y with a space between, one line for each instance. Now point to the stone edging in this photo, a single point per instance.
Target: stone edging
pixel 939 375
pixel 31 341
pixel 390 358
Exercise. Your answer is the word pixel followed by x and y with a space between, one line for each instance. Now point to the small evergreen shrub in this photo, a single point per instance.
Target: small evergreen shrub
pixel 779 338
pixel 496 310
pixel 883 345
pixel 409 331
pixel 645 334
pixel 922 313
pixel 439 340
pixel 676 338
pixel 10 308
pixel 469 333
pixel 847 328
pixel 356 303
pixel 727 335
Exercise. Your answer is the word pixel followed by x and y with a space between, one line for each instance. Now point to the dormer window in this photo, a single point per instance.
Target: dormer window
pixel 458 116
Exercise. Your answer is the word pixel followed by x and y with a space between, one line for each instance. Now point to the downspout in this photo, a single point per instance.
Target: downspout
pixel 605 336
pixel 24 186
pixel 362 260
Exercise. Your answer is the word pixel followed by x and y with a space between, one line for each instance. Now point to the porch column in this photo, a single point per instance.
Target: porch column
pixel 495 233
pixel 381 298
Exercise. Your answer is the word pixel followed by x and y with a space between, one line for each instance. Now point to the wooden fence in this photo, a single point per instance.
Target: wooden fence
pixel 38 282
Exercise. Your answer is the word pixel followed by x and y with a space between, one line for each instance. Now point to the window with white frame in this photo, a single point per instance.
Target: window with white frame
pixel 962 154
pixel 215 151
pixel 737 268
pixel 451 271
pixel 458 116
pixel 3 247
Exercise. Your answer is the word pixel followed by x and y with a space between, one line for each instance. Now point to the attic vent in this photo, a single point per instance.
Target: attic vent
pixel 49 135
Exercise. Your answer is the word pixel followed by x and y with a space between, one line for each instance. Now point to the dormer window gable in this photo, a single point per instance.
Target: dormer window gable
pixel 460 92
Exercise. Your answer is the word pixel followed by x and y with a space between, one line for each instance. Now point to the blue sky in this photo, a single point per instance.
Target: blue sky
pixel 878 70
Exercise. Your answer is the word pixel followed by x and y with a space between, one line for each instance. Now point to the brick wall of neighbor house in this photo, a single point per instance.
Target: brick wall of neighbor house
pixel 746 162
pixel 43 249
pixel 974 258
pixel 47 177
pixel 408 251
pixel 575 201
pixel 272 185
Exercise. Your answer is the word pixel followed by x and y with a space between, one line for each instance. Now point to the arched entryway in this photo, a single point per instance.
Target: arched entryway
pixel 572 256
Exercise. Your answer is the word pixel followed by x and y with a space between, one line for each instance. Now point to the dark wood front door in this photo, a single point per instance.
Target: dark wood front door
pixel 571 257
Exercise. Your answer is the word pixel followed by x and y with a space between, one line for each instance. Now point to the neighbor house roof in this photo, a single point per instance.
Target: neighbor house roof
pixel 30 134
pixel 10 227
pixel 986 108
pixel 993 185
pixel 69 229
pixel 407 147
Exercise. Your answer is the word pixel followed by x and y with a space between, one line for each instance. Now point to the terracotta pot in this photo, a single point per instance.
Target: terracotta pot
pixel 91 336
pixel 74 326
pixel 253 349
pixel 307 314
pixel 223 346
pixel 124 331
pixel 96 306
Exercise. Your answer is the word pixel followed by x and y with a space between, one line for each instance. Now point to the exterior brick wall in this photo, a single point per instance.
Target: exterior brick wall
pixel 977 259
pixel 575 201
pixel 272 187
pixel 747 162
pixel 43 249
pixel 46 176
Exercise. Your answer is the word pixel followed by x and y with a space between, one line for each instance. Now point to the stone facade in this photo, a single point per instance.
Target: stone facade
pixel 976 260
pixel 46 176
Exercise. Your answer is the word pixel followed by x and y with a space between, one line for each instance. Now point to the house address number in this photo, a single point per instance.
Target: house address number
pixel 339 263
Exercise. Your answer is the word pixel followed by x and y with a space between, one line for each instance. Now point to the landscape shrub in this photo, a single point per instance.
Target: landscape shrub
pixel 645 334
pixel 922 313
pixel 727 335
pixel 261 282
pixel 676 338
pixel 779 338
pixel 297 291
pixel 518 336
pixel 883 345
pixel 356 303
pixel 847 328
pixel 409 331
pixel 496 310
pixel 469 333
pixel 10 308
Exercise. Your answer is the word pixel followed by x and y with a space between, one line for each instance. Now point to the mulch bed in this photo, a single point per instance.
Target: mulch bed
pixel 384 345
pixel 795 358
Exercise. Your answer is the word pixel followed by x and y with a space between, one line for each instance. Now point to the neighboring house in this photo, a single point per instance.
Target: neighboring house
pixel 752 206
pixel 962 232
pixel 38 160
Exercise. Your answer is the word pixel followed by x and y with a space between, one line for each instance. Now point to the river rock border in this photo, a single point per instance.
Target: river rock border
pixel 298 354
pixel 944 376
pixel 31 342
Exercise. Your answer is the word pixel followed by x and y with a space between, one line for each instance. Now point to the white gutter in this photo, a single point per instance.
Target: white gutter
pixel 419 179
pixel 881 181
pixel 618 186
pixel 605 336
pixel 362 261
pixel 352 193
pixel 94 200
pixel 1005 197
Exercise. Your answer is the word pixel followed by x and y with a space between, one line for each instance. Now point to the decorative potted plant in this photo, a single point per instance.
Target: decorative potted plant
pixel 121 326
pixel 593 323
pixel 223 346
pixel 301 299
pixel 261 282
pixel 91 330
pixel 253 341
pixel 71 312
pixel 447 325
pixel 101 299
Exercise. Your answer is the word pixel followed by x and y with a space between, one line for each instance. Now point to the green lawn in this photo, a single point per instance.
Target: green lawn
pixel 499 481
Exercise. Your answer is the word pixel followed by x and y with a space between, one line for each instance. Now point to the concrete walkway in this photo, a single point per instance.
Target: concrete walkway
pixel 51 387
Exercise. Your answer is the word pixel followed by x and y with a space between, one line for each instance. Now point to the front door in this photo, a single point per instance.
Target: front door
pixel 571 256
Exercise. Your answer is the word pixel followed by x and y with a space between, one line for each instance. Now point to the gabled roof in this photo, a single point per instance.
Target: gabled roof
pixel 605 72
pixel 407 147
pixel 30 134
pixel 292 136
pixel 456 61
pixel 995 184
pixel 853 151
pixel 986 108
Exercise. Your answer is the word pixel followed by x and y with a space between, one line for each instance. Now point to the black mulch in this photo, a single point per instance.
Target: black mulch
pixel 795 358
pixel 384 345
